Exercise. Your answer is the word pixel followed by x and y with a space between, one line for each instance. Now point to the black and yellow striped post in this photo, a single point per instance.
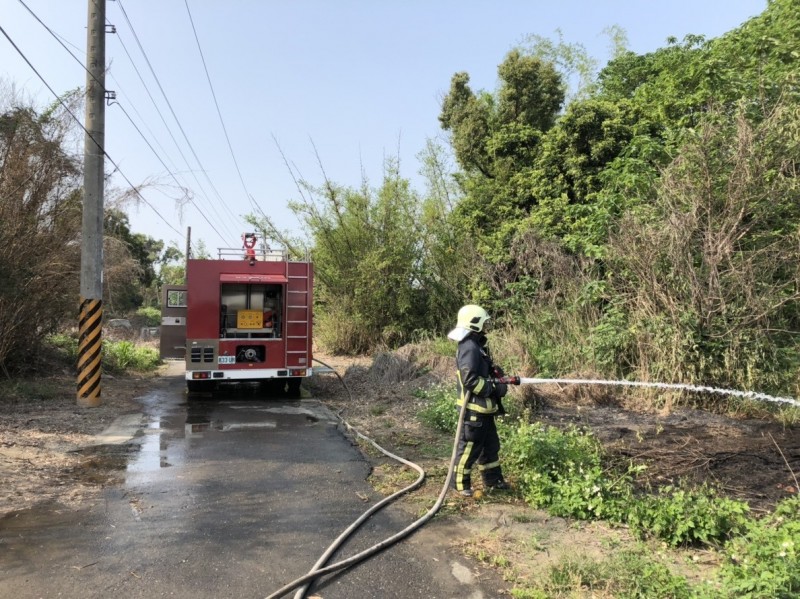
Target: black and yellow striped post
pixel 90 345
pixel 91 291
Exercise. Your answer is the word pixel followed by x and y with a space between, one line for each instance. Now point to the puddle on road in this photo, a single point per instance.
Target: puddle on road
pixel 252 416
pixel 310 414
pixel 174 430
pixel 165 441
pixel 174 425
pixel 102 464
pixel 153 450
pixel 201 427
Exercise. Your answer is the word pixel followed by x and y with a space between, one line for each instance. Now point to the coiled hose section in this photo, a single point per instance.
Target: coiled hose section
pixel 317 569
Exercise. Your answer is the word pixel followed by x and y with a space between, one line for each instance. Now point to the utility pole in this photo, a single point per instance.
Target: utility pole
pixel 91 308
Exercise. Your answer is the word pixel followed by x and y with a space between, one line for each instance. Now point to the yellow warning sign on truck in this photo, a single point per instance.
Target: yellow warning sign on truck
pixel 249 319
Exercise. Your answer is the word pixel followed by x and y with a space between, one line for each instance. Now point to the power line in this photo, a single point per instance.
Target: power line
pixel 63 105
pixel 166 99
pixel 121 90
pixel 59 38
pixel 56 37
pixel 219 112
pixel 167 127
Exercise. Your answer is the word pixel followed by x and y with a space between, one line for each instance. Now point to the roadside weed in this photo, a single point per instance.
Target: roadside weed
pixel 765 561
pixel 117 356
pixel 16 390
pixel 66 344
pixel 124 355
pixel 688 517
pixel 789 417
pixel 523 518
pixel 440 409
pixel 631 574
pixel 389 478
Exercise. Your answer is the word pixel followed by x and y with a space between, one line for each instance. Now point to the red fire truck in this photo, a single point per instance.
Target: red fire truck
pixel 244 317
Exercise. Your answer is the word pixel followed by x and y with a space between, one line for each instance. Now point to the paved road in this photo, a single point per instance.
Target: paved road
pixel 231 497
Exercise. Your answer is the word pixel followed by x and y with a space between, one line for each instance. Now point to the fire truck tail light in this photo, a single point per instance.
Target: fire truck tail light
pixel 200 375
pixel 297 372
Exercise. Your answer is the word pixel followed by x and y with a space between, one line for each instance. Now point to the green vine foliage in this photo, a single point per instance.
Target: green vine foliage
pixel 765 561
pixel 439 407
pixel 684 517
pixel 568 473
pixel 564 472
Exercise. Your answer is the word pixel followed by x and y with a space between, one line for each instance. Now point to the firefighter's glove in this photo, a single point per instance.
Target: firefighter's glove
pixel 501 411
pixel 497 372
pixel 500 390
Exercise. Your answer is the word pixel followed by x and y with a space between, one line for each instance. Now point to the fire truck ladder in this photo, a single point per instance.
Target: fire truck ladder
pixel 298 311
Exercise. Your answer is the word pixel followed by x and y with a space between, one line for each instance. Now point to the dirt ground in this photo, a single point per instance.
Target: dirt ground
pixel 41 438
pixel 750 459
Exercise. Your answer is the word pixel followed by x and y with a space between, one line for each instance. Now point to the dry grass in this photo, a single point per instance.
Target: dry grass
pixel 392 368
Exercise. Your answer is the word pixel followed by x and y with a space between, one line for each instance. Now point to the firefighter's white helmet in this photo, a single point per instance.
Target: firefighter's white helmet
pixel 471 318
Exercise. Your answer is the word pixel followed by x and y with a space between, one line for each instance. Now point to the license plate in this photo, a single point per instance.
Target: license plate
pixel 226 359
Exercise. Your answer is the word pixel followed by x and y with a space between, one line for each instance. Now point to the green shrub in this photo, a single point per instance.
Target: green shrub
pixel 765 562
pixel 440 408
pixel 118 356
pixel 66 344
pixel 342 333
pixel 26 390
pixel 124 355
pixel 429 344
pixel 150 314
pixel 442 346
pixel 553 340
pixel 563 471
pixel 688 517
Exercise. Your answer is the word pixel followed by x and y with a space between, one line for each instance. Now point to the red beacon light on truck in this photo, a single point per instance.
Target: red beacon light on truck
pixel 249 245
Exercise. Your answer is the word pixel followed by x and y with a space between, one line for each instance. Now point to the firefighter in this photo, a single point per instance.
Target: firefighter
pixel 479 442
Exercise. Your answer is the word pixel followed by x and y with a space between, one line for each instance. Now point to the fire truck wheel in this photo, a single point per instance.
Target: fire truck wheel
pixel 293 387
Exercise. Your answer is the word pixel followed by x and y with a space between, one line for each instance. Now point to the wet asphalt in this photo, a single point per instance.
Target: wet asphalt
pixel 232 496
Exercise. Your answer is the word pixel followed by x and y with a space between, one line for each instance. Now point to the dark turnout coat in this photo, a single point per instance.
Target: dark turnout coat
pixel 475 369
pixel 479 442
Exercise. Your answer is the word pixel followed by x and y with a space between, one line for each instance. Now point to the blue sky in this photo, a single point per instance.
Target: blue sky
pixel 360 79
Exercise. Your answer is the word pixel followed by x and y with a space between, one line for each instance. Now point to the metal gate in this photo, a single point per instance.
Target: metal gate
pixel 173 322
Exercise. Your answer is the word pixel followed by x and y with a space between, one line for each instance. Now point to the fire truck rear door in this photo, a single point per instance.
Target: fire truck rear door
pixel 173 322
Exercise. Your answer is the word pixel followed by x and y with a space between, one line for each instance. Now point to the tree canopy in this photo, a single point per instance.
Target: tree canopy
pixel 664 184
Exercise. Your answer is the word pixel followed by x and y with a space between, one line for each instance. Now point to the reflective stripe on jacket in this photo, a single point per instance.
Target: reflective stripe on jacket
pixel 474 368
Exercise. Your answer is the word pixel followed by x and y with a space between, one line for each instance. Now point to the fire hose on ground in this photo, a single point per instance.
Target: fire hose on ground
pixel 319 569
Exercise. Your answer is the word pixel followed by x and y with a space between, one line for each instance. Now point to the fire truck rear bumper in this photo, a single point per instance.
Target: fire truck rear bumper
pixel 250 374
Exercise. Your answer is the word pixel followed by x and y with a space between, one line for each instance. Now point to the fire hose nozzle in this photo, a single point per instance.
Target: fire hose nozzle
pixel 507 380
